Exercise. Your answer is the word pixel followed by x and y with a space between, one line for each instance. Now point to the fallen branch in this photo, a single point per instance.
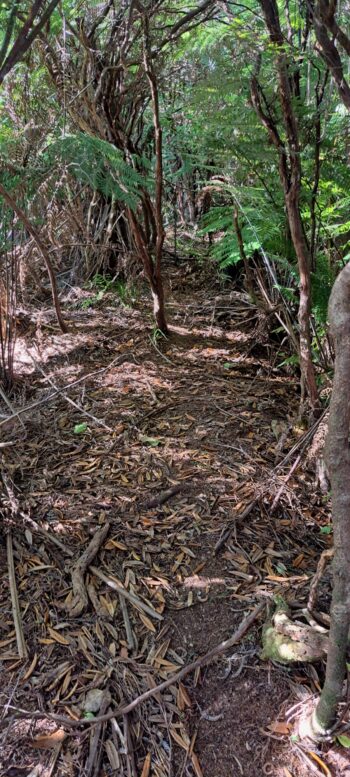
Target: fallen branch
pixel 127 624
pixel 299 446
pixel 164 496
pixel 237 519
pixel 121 711
pixel 283 486
pixel 80 596
pixel 16 612
pixel 138 603
pixel 95 749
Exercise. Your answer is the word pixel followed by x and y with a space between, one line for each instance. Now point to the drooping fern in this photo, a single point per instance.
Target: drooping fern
pixel 99 164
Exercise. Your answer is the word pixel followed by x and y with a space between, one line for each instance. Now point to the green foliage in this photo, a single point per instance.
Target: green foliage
pixel 322 281
pixel 80 428
pixel 99 164
pixel 103 284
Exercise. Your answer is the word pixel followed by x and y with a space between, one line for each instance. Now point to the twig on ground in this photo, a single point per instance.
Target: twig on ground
pixel 80 596
pixel 283 486
pixel 68 399
pixel 300 445
pixel 138 603
pixel 33 405
pixel 164 496
pixel 16 612
pixel 121 711
pixel 324 557
pixel 9 405
pixel 94 758
pixel 127 624
pixel 237 519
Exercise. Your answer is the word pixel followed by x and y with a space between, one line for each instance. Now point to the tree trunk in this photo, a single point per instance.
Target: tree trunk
pixel 308 380
pixel 290 174
pixel 152 273
pixel 338 463
pixel 159 307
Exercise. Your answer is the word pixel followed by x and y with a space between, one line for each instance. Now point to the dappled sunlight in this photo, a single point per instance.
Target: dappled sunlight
pixel 135 378
pixel 197 581
pixel 210 332
pixel 196 354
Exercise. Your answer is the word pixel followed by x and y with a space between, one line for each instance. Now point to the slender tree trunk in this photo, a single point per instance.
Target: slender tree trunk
pixel 42 249
pixel 308 380
pixel 156 280
pixel 338 463
pixel 290 175
pixel 244 258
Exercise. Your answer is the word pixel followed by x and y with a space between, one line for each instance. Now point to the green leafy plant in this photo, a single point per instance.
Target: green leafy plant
pixel 80 428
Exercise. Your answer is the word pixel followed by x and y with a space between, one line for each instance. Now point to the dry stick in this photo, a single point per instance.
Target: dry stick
pixel 300 445
pixel 121 711
pixel 16 612
pixel 81 599
pixel 8 403
pixel 42 249
pixel 118 360
pixel 283 486
pixel 138 603
pixel 236 520
pixel 304 440
pixel 128 629
pixel 324 557
pixel 164 496
pixel 94 757
pixel 70 401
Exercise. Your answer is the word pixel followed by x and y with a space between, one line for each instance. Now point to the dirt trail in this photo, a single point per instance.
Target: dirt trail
pixel 168 441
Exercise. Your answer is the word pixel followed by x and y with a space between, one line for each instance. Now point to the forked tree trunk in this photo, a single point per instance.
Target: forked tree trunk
pixel 338 463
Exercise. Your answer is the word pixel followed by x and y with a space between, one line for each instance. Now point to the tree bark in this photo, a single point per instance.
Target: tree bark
pixel 156 281
pixel 308 380
pixel 338 463
pixel 290 175
pixel 324 22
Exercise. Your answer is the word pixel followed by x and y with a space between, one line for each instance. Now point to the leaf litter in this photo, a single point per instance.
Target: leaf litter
pixel 136 463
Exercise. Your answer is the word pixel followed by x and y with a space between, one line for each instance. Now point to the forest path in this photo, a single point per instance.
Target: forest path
pixel 199 416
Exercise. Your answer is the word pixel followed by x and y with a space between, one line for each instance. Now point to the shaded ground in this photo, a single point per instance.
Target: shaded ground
pixel 203 415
